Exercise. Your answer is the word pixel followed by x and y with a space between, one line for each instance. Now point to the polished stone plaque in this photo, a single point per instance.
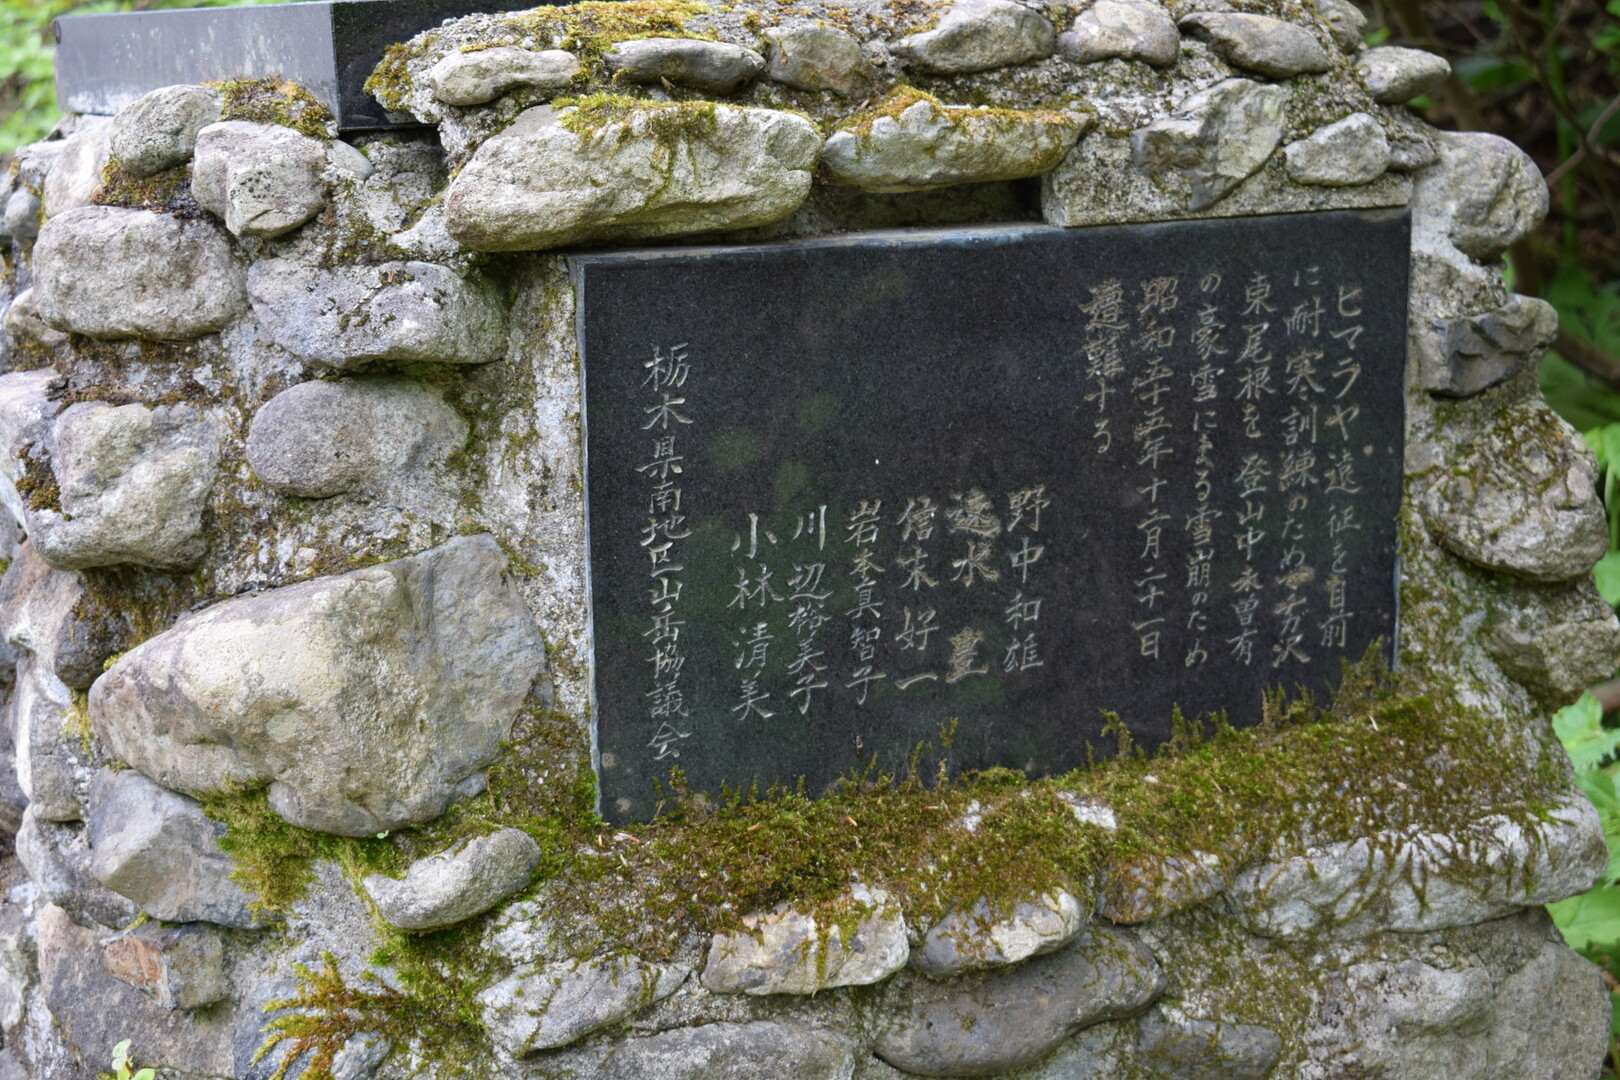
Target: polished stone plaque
pixel 105 61
pixel 976 488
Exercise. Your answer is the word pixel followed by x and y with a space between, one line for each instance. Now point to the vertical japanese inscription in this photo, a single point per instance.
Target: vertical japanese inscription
pixel 864 514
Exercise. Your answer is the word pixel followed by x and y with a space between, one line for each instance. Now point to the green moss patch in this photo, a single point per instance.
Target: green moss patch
pixel 276 101
pixel 587 30
pixel 1383 755
pixel 37 485
pixel 168 192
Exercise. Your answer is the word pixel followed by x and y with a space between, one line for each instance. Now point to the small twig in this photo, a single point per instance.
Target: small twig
pixel 1589 358
pixel 1586 143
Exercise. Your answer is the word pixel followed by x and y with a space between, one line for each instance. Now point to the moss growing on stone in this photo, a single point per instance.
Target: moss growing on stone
pixel 276 101
pixel 168 192
pixel 670 124
pixel 37 485
pixel 587 30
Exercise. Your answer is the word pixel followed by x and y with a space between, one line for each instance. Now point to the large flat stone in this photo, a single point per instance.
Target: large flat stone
pixel 1259 43
pixel 455 885
pixel 367 700
pixel 348 317
pixel 262 179
pixel 788 952
pixel 978 35
pixel 538 1009
pixel 727 1051
pixel 1012 1019
pixel 928 144
pixel 1215 139
pixel 107 272
pixel 633 173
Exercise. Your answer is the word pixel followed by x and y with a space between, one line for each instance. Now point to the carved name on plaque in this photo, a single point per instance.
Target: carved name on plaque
pixel 975 488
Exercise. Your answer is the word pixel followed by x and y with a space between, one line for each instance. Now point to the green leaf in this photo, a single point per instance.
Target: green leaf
pixel 1607 575
pixel 1580 728
pixel 1592 918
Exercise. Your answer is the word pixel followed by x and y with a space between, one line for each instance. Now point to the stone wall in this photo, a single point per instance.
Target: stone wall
pixel 298 752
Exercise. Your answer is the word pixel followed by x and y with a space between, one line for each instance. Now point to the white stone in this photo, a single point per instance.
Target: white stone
pixel 1122 29
pixel 158 130
pixel 714 67
pixel 1345 23
pixel 1482 195
pixel 1259 43
pixel 817 57
pixel 107 272
pixel 930 145
pixel 368 700
pixel 456 885
pixel 1351 151
pixel 538 185
pixel 351 316
pixel 1395 75
pixel 964 941
pixel 786 952
pixel 1416 882
pixel 74 177
pixel 324 438
pixel 262 179
pixel 978 35
pixel 1214 140
pixel 474 78
pixel 537 1009
pixel 133 483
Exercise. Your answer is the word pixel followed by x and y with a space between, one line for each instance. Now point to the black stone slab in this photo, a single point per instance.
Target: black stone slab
pixel 1165 464
pixel 103 62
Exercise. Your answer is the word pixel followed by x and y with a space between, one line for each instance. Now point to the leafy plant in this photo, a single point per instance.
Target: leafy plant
pixel 121 1066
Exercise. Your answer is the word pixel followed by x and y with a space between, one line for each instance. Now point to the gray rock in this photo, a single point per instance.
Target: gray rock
pixel 159 849
pixel 714 67
pixel 1520 499
pixel 456 885
pixel 1154 888
pixel 733 1052
pixel 1556 661
pixel 1386 1015
pixel 47 764
pixel 350 316
pixel 361 1056
pixel 57 858
pixel 319 439
pixel 133 481
pixel 18 962
pixel 1395 75
pixel 1345 22
pixel 368 700
pixel 1122 29
pixel 23 322
pixel 1259 43
pixel 179 967
pixel 817 57
pixel 1414 882
pixel 158 131
pixel 787 952
pixel 94 1011
pixel 537 1009
pixel 23 212
pixel 1354 150
pixel 108 272
pixel 978 35
pixel 929 145
pixel 68 629
pixel 1014 1018
pixel 262 179
pixel 76 174
pixel 1482 194
pixel 473 78
pixel 1459 357
pixel 26 412
pixel 964 941
pixel 1552 1018
pixel 1214 140
pixel 1176 1048
pixel 533 186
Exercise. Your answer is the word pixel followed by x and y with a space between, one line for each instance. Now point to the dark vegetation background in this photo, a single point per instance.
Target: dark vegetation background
pixel 1544 73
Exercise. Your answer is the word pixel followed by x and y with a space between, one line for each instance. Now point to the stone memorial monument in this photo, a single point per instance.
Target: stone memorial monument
pixel 840 541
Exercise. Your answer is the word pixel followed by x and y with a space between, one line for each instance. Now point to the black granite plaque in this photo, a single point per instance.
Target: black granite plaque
pixel 106 61
pixel 846 495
